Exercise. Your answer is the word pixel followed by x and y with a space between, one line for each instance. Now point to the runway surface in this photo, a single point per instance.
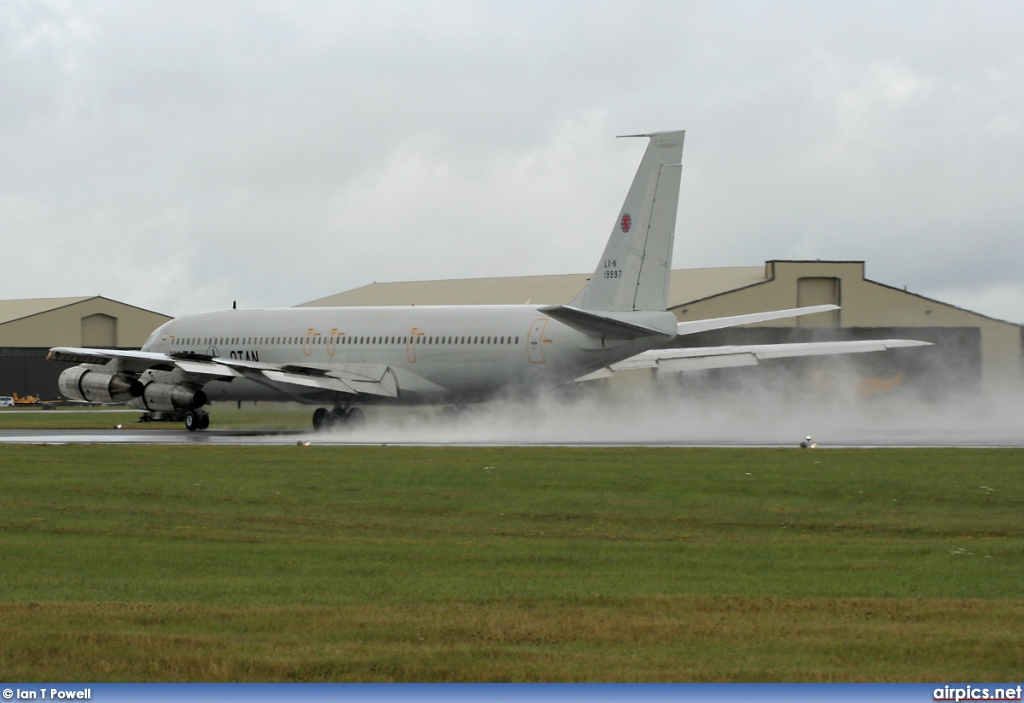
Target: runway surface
pixel 745 421
pixel 449 437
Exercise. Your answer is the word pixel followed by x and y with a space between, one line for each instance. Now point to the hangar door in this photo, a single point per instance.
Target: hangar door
pixel 99 330
pixel 818 291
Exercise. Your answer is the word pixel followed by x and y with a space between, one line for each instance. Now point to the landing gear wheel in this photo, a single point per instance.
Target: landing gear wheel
pixel 320 418
pixel 196 420
pixel 450 413
pixel 335 418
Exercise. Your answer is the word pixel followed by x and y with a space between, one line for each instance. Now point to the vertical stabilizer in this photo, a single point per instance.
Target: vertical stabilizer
pixel 634 272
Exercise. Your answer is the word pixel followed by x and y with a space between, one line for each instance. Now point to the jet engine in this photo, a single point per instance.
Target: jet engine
pixel 90 385
pixel 169 397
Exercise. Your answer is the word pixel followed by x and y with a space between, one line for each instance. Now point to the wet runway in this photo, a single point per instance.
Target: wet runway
pixel 444 436
pixel 631 421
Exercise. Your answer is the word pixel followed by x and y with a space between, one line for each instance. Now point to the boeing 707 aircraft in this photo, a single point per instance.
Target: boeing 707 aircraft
pixel 341 358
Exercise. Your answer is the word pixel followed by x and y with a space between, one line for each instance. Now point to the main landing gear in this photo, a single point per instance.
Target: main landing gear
pixel 197 420
pixel 451 413
pixel 324 419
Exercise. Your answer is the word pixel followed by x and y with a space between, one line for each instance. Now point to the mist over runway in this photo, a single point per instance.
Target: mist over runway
pixel 639 419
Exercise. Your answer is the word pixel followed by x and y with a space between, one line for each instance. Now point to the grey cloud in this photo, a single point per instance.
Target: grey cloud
pixel 179 155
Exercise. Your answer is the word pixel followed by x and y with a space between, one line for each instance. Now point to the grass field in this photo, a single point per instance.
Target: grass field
pixel 502 564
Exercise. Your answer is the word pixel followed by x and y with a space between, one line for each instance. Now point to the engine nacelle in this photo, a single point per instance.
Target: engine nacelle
pixel 169 397
pixel 84 383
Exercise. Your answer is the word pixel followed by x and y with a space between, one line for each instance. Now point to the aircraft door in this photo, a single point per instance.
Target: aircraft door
pixel 412 343
pixel 535 342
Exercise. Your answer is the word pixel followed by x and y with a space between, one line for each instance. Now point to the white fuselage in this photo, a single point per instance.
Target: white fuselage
pixel 436 353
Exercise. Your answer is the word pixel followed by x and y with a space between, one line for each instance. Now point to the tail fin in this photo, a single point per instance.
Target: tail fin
pixel 634 272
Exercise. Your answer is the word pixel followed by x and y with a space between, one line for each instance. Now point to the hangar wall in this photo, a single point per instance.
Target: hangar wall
pixel 868 305
pixel 29 327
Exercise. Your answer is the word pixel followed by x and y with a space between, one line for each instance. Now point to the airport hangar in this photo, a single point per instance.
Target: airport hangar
pixel 29 327
pixel 971 352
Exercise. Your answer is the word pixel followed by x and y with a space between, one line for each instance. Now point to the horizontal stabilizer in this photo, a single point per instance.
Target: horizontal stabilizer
pixel 718 323
pixel 612 325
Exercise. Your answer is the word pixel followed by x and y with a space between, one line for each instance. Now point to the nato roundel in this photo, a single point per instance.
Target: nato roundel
pixel 626 222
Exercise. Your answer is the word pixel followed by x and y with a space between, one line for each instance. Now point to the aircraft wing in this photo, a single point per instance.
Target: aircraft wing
pixel 697 358
pixel 369 379
pixel 355 379
pixel 132 361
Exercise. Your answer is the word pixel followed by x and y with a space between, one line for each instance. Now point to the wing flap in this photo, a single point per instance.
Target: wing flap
pixel 386 385
pixel 206 368
pixel 339 380
pixel 321 382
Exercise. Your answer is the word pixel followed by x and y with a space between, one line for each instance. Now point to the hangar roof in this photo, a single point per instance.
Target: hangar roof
pixel 685 286
pixel 11 310
pixel 75 321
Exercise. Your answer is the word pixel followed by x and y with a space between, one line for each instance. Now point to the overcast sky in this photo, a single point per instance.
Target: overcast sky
pixel 180 155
